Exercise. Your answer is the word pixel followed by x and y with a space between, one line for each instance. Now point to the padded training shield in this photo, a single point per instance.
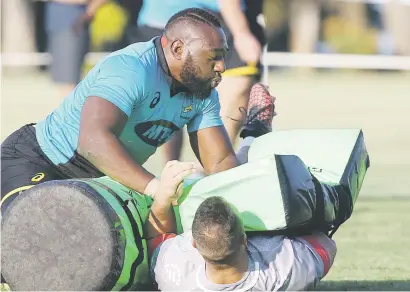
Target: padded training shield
pixel 76 235
pixel 295 181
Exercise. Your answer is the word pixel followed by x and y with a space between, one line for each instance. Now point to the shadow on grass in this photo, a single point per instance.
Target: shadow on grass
pixel 393 285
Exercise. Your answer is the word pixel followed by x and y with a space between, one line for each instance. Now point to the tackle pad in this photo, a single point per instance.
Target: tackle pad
pixel 295 182
pixel 72 235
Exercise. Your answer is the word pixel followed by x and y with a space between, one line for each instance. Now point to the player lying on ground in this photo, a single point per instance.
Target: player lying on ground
pixel 217 255
pixel 129 104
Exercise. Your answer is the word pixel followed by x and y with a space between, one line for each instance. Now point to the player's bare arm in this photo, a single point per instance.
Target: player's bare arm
pixel 161 218
pixel 248 47
pixel 101 124
pixel 213 149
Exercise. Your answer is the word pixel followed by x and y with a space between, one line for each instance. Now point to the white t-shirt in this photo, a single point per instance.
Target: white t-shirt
pixel 275 263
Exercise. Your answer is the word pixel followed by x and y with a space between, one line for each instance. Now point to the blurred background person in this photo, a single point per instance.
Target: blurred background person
pixel 352 27
pixel 396 20
pixel 294 22
pixel 17 24
pixel 108 27
pixel 67 26
pixel 245 38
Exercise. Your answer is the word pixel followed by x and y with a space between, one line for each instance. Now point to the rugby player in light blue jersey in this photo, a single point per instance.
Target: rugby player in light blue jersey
pixel 128 105
pixel 245 38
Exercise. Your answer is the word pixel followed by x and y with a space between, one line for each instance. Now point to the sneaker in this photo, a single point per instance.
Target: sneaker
pixel 261 110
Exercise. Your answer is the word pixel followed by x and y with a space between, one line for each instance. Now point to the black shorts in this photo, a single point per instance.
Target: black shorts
pixel 24 165
pixel 234 65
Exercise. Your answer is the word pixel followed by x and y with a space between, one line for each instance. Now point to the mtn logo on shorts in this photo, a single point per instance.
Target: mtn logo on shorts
pixel 155 133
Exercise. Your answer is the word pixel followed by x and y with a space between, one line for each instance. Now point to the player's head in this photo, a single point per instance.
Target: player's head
pixel 218 232
pixel 197 46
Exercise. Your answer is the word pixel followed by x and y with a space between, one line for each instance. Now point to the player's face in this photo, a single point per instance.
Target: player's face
pixel 204 64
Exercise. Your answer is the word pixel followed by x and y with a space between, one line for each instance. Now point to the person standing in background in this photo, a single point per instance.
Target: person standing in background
pixel 396 20
pixel 296 22
pixel 67 24
pixel 245 38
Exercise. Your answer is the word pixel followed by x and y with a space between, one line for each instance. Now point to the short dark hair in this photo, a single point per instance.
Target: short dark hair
pixel 217 231
pixel 192 16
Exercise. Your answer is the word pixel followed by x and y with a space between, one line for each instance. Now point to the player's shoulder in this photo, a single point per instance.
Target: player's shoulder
pixel 180 247
pixel 263 244
pixel 134 57
pixel 211 99
pixel 176 263
pixel 214 96
pixel 182 242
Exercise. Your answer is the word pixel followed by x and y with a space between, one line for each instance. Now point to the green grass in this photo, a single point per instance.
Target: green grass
pixel 373 248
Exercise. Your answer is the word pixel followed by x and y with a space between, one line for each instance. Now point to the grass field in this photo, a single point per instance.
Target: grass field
pixel 373 245
pixel 373 251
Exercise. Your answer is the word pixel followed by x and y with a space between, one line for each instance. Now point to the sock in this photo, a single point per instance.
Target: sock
pixel 242 153
pixel 246 142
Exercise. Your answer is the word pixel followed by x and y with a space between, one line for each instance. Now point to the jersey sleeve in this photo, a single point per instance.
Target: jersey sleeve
pixel 209 116
pixel 312 261
pixel 161 269
pixel 120 80
pixel 174 262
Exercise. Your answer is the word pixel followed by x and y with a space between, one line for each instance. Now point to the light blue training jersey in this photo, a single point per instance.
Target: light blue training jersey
pixel 156 13
pixel 137 80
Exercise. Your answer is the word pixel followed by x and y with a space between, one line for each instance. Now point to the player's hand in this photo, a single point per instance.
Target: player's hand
pixel 82 22
pixel 248 47
pixel 171 182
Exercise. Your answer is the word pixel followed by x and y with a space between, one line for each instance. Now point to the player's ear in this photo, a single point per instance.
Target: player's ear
pixel 245 240
pixel 193 243
pixel 177 49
